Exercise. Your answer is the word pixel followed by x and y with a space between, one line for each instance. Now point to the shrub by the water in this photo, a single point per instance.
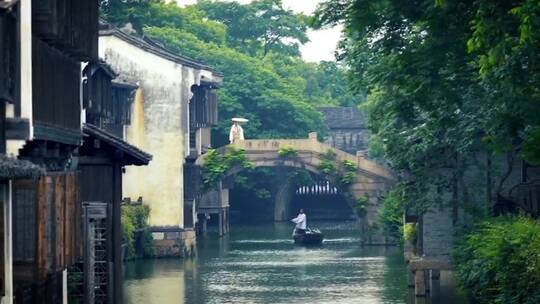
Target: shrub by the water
pixel 499 262
pixel 409 233
pixel 135 219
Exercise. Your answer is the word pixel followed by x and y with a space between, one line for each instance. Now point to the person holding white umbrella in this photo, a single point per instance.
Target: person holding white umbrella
pixel 237 132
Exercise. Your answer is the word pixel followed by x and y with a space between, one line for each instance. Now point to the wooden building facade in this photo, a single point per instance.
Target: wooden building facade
pixel 58 173
pixel 100 161
pixel 47 212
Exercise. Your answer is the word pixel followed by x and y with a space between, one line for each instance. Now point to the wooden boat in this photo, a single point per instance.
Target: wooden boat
pixel 311 237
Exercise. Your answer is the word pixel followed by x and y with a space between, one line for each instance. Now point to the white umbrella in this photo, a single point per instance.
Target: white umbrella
pixel 238 119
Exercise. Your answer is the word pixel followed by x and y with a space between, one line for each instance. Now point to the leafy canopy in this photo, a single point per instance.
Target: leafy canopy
pixel 255 46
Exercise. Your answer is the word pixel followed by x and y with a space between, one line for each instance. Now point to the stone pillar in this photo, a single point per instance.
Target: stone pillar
pixel 438 231
pixel 313 136
pixel 220 216
pixel 419 283
pixel 282 201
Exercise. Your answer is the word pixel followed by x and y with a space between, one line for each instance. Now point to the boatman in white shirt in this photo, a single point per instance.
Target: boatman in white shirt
pixel 301 222
pixel 237 133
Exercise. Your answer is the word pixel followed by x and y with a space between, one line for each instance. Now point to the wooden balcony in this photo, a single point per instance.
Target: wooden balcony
pixel 71 25
pixel 56 95
pixel 107 102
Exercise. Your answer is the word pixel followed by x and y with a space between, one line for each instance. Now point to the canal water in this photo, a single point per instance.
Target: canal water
pixel 258 263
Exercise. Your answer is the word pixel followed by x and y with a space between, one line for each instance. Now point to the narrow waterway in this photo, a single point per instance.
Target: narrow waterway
pixel 260 264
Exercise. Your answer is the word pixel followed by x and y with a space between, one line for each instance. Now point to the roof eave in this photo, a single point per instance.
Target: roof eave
pixel 135 156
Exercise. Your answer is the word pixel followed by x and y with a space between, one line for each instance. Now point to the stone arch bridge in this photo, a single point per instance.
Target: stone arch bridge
pixel 371 178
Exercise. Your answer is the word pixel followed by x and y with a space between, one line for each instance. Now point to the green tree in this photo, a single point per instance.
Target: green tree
pixel 279 93
pixel 445 79
pixel 259 27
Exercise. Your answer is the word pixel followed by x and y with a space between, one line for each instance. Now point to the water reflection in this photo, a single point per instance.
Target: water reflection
pixel 155 281
pixel 259 264
pixel 444 290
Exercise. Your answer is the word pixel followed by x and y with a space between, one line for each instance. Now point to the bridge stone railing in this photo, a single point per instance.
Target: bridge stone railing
pixel 270 147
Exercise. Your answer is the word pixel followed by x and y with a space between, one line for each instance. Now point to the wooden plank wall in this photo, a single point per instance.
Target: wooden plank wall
pixel 57 226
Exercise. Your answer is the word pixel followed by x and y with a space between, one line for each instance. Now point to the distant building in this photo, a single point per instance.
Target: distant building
pixel 347 129
pixel 175 105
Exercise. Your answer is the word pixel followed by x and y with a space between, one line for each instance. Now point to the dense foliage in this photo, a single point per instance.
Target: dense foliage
pixel 447 80
pixel 135 221
pixel 391 212
pixel 256 47
pixel 217 165
pixel 499 262
pixel 444 79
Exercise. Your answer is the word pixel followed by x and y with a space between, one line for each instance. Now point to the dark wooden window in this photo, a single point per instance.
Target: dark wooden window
pixel 122 99
pixel 97 96
pixel 24 223
pixel 192 181
pixel 203 107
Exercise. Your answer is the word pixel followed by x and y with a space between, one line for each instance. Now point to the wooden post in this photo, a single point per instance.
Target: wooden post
pixel 117 233
pixel 225 220
pixel 26 63
pixel 220 215
pixel 8 244
pixel 419 283
pixel 427 280
pixel 410 278
pixel 228 220
pixel 64 287
pixel 205 224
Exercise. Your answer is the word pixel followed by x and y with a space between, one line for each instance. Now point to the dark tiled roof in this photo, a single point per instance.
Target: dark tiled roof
pixel 156 48
pixel 107 68
pixel 12 168
pixel 135 155
pixel 343 117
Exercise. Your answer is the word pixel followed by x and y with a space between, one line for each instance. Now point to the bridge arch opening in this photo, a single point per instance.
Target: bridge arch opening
pixel 276 194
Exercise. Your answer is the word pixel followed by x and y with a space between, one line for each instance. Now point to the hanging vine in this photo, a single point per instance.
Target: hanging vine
pixel 216 165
